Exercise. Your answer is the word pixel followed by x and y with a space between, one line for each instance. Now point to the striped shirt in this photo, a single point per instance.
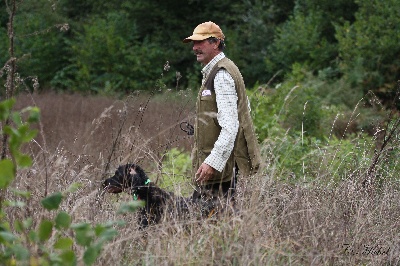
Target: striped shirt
pixel 227 116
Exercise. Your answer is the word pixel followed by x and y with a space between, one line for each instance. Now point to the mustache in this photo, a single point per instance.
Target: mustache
pixel 196 52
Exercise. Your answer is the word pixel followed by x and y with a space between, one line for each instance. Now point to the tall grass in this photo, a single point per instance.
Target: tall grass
pixel 280 221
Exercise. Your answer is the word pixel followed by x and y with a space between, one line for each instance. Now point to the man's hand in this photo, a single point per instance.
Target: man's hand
pixel 204 173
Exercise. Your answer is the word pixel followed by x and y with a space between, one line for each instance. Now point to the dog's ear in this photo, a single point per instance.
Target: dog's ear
pixel 140 171
pixel 138 176
pixel 126 169
pixel 122 173
pixel 132 169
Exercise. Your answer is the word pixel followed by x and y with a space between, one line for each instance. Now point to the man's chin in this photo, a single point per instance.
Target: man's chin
pixel 200 58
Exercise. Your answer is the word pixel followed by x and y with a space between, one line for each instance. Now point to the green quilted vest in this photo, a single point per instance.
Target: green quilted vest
pixel 246 153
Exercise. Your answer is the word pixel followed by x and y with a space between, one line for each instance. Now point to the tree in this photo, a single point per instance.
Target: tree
pixel 369 50
pixel 308 36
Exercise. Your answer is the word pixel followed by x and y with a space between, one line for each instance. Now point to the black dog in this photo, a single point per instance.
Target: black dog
pixel 158 202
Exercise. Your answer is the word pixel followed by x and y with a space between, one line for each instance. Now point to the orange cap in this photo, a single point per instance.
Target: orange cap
pixel 206 30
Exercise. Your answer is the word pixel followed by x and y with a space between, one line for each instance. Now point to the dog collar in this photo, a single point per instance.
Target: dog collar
pixel 135 196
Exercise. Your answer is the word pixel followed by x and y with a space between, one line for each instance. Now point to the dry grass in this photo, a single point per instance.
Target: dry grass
pixel 277 223
pixel 132 129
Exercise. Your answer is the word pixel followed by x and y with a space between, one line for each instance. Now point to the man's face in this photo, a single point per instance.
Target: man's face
pixel 205 51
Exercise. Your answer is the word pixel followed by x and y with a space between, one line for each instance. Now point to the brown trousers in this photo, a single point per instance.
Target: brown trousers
pixel 212 196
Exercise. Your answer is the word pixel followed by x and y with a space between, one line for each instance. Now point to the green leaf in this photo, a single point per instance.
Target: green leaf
pixel 131 206
pixel 10 131
pixel 119 223
pixel 4 225
pixel 33 236
pixel 25 133
pixel 105 233
pixel 81 226
pixel 29 135
pixel 74 187
pixel 23 160
pixel 25 194
pixel 83 234
pixel 68 257
pixel 91 254
pixel 54 258
pixel 7 237
pixel 5 107
pixel 19 204
pixel 16 118
pixel 99 228
pixel 109 234
pixel 63 220
pixel 27 223
pixel 53 201
pixel 18 225
pixel 20 252
pixel 34 114
pixel 63 243
pixel 45 229
pixel 7 172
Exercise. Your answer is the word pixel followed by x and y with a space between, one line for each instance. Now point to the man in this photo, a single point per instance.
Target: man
pixel 225 141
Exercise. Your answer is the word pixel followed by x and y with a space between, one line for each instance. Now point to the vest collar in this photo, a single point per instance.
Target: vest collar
pixel 207 68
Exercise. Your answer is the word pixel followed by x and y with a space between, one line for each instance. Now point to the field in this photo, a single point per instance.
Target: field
pixel 82 139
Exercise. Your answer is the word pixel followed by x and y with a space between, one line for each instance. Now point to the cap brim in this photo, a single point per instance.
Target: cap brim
pixel 197 37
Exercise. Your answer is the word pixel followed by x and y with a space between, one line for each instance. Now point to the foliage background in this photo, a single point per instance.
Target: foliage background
pixel 121 46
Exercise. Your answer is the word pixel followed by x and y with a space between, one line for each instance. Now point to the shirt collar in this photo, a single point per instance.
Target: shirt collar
pixel 207 68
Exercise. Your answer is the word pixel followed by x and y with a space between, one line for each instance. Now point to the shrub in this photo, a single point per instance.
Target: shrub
pixel 303 123
pixel 108 58
pixel 38 44
pixel 300 40
pixel 177 169
pixel 369 47
pixel 293 104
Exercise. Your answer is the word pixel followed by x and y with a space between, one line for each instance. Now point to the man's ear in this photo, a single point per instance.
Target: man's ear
pixel 217 44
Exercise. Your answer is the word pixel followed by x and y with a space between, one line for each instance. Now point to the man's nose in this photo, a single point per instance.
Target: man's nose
pixel 195 45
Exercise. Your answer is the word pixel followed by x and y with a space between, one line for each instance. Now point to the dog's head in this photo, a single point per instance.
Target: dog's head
pixel 128 176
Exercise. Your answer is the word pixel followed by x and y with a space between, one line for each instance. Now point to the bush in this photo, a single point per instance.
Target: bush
pixel 177 169
pixel 108 58
pixel 301 40
pixel 303 121
pixel 39 46
pixel 293 104
pixel 369 47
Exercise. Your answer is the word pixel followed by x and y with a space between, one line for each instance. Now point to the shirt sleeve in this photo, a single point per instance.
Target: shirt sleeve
pixel 227 117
